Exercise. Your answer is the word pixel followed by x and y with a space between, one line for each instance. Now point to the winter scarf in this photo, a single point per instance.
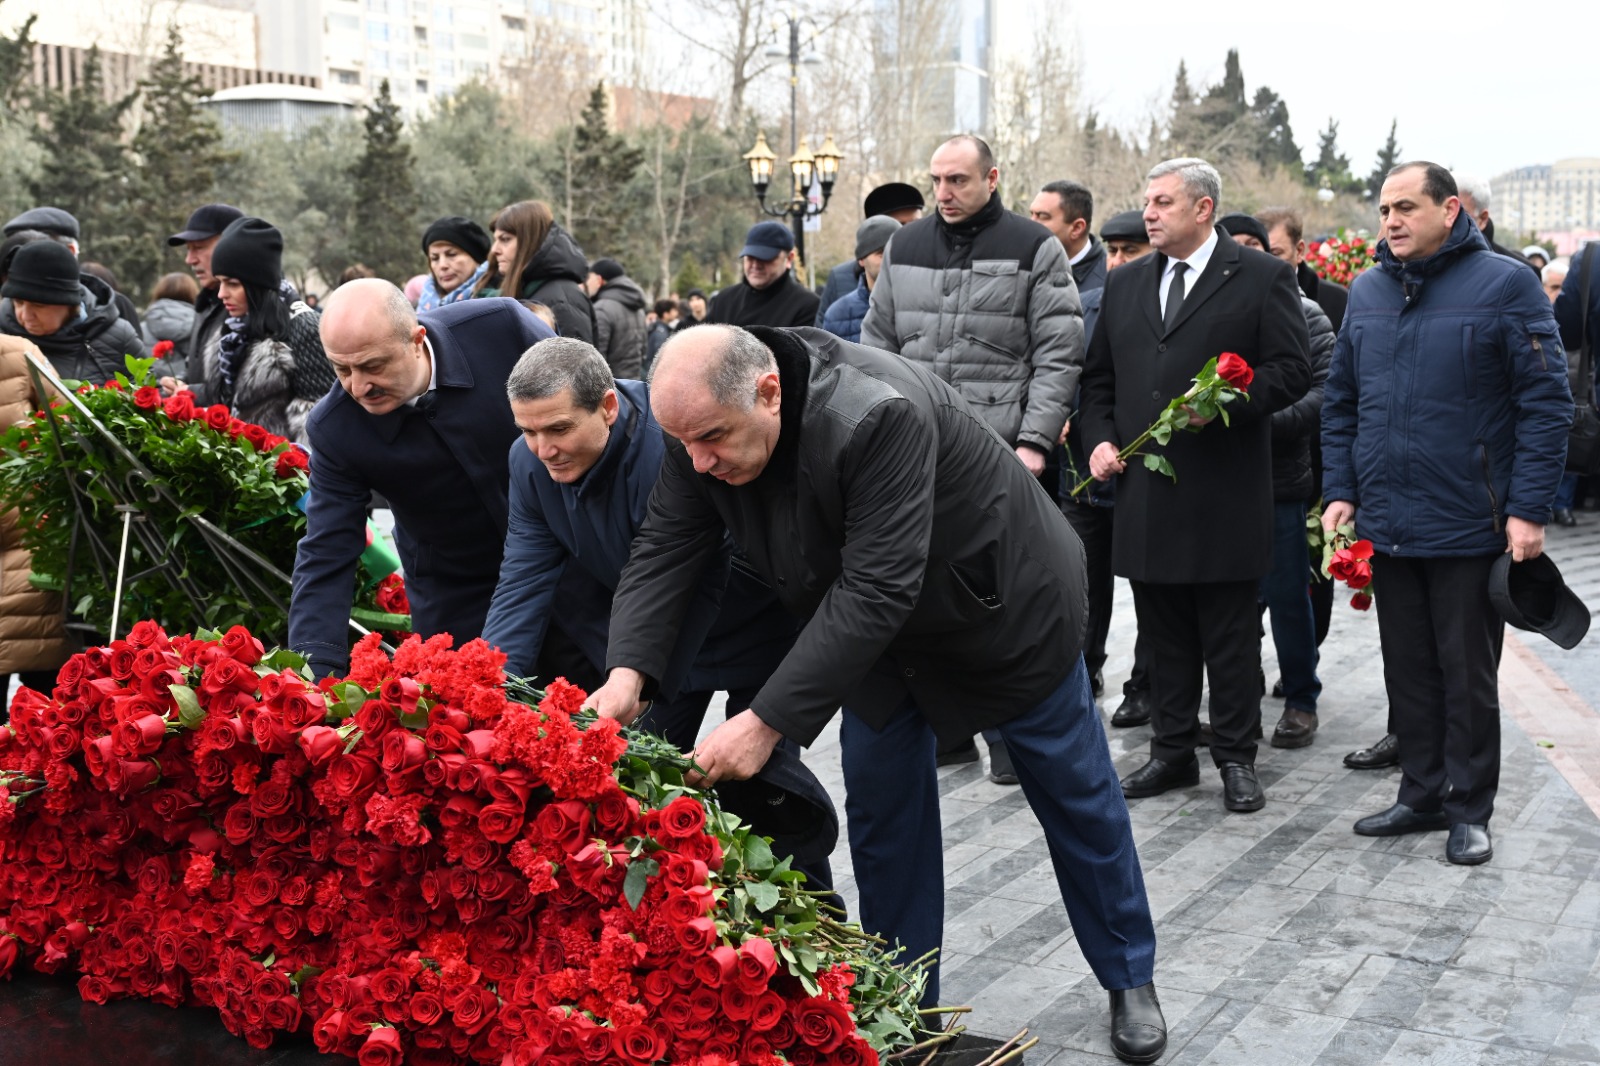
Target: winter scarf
pixel 431 299
pixel 232 346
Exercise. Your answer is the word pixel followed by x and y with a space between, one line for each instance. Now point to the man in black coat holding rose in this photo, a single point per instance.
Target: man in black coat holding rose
pixel 942 594
pixel 1195 548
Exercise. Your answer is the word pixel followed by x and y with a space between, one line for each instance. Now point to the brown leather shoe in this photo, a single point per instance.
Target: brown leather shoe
pixel 1295 729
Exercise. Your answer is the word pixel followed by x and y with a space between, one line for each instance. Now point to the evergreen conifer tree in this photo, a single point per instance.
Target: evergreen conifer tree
pixel 590 176
pixel 1331 164
pixel 1388 159
pixel 179 149
pixel 383 232
pixel 85 167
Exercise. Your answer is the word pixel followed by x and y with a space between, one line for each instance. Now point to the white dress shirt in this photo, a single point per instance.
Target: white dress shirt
pixel 433 373
pixel 1196 264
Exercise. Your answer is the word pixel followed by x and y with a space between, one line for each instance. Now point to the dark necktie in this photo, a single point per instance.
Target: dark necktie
pixel 427 402
pixel 1174 297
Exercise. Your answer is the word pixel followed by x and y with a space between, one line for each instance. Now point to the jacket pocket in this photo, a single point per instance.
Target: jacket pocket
pixel 1488 484
pixel 998 403
pixel 993 288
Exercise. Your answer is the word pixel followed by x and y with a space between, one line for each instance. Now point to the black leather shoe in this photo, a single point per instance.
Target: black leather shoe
pixel 1296 729
pixel 1400 820
pixel 961 753
pixel 1468 845
pixel 1135 709
pixel 1206 735
pixel 1097 684
pixel 1241 789
pixel 1277 689
pixel 1383 754
pixel 1001 772
pixel 1138 1030
pixel 1563 517
pixel 1158 776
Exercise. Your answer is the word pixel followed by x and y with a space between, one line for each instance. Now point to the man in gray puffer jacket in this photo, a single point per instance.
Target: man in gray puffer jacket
pixel 619 304
pixel 985 299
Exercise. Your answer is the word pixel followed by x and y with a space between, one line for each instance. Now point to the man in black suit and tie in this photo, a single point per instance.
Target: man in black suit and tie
pixel 421 417
pixel 1195 549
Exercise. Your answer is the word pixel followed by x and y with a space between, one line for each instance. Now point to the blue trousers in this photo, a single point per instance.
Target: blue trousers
pixel 1060 753
pixel 1287 592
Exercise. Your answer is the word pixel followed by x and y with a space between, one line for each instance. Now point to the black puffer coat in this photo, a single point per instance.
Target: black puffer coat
pixel 555 278
pixel 91 348
pixel 1296 460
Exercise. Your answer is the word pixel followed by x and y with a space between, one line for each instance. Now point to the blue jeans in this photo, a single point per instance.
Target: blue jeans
pixel 1287 592
pixel 1064 766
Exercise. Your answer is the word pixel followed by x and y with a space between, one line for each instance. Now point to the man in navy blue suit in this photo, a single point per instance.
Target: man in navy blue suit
pixel 581 479
pixel 420 416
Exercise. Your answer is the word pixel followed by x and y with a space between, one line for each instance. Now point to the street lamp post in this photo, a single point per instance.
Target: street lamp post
pixel 804 164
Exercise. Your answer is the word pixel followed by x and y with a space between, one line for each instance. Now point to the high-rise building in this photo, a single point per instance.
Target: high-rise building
pixel 428 48
pixel 1554 197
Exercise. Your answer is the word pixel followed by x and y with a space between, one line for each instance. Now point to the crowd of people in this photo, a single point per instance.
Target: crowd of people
pixel 906 500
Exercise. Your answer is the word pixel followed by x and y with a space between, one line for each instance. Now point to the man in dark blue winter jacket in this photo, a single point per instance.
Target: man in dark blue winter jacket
pixel 1444 435
pixel 581 477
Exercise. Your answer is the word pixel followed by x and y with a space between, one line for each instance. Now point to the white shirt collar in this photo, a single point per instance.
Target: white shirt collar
pixel 433 371
pixel 1083 253
pixel 1196 263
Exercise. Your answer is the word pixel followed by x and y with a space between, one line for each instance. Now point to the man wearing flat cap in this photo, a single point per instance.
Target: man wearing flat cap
pixel 844 317
pixel 768 294
pixel 198 238
pixel 896 200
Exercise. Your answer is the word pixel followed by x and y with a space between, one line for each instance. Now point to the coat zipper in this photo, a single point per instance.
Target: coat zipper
pixel 1488 483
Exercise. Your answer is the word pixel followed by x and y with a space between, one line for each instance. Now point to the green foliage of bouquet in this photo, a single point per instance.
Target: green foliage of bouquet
pixel 69 468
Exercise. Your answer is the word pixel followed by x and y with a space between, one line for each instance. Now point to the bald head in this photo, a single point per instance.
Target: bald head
pixel 716 389
pixel 371 336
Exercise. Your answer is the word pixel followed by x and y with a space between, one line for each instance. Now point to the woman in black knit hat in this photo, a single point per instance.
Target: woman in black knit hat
pixel 269 368
pixel 458 256
pixel 69 315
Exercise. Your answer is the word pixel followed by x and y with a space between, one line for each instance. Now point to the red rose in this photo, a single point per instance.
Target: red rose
pixel 767 1013
pixel 217 416
pixel 240 645
pixel 855 1052
pixel 1361 601
pixel 426 1008
pixel 180 406
pixel 291 463
pixel 758 961
pixel 823 1023
pixel 639 1043
pixel 683 817
pixel 501 822
pixel 10 952
pixel 382 1048
pixel 1235 371
pixel 147 397
pixel 257 436
pixel 697 935
pixel 162 349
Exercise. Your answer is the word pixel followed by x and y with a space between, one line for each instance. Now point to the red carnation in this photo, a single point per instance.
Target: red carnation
pixel 162 349
pixel 1234 370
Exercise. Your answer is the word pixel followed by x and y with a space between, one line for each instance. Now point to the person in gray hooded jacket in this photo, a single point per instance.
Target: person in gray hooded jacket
pixel 619 306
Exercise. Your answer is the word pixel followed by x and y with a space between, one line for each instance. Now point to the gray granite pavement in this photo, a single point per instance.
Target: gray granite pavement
pixel 1284 938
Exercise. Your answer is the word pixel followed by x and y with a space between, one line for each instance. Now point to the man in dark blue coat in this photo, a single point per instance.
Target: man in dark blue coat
pixel 1444 429
pixel 420 417
pixel 581 478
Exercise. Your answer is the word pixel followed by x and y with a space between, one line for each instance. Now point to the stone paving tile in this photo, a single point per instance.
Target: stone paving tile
pixel 1282 936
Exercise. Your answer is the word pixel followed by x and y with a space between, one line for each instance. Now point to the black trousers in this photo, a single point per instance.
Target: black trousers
pixel 1198 633
pixel 1441 641
pixel 1093 526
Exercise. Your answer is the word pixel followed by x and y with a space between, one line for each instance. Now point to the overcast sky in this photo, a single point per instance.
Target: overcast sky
pixel 1477 87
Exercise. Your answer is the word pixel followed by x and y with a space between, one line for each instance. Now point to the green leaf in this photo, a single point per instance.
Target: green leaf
pixel 1161 434
pixel 139 369
pixel 284 659
pixel 764 894
pixel 757 855
pixel 1152 463
pixel 304 974
pixel 638 879
pixel 190 712
pixel 84 604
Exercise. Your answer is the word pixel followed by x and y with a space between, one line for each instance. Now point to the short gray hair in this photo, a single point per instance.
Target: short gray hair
pixel 557 364
pixel 735 364
pixel 1200 179
pixel 1475 189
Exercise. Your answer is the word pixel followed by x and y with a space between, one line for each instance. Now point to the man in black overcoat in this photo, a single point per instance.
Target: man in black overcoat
pixel 421 417
pixel 1195 549
pixel 942 593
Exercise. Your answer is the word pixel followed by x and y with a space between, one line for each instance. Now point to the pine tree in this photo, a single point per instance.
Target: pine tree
pixel 589 177
pixel 16 56
pixel 382 231
pixel 1388 159
pixel 1332 165
pixel 1275 145
pixel 86 168
pixel 179 149
pixel 1184 129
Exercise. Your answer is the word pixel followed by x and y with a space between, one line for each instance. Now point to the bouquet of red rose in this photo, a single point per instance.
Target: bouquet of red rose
pixel 1219 383
pixel 409 864
pixel 1349 560
pixel 1341 257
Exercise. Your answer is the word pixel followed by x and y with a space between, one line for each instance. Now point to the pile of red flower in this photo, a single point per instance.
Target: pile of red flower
pixel 1342 257
pixel 410 866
